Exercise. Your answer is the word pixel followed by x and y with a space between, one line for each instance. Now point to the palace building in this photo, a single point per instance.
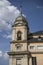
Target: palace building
pixel 25 48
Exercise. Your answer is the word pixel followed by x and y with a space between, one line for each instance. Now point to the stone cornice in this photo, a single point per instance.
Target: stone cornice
pixel 16 25
pixel 35 41
pixel 18 53
pixel 20 41
pixel 36 52
pixel 25 41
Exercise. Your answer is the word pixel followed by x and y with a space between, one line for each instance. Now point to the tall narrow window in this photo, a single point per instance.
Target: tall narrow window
pixel 34 61
pixel 18 35
pixel 18 61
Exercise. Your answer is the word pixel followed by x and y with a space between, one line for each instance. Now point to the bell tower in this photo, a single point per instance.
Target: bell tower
pixel 18 54
pixel 20 29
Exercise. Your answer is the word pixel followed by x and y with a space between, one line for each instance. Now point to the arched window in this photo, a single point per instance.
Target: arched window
pixel 19 35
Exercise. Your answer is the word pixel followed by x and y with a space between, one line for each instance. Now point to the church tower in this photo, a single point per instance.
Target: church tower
pixel 25 48
pixel 18 54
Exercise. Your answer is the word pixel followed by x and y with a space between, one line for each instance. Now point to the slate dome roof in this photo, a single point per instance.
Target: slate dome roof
pixel 20 20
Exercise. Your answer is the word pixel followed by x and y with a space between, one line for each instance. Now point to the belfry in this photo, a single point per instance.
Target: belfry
pixel 25 48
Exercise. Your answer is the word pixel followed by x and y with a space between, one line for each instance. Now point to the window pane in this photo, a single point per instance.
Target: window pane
pixel 40 47
pixel 18 35
pixel 34 61
pixel 31 47
pixel 18 47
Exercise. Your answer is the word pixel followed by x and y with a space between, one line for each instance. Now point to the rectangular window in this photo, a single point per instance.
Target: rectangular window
pixel 39 47
pixel 18 61
pixel 34 61
pixel 18 47
pixel 31 47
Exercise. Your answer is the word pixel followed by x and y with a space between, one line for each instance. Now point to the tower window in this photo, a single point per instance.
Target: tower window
pixel 18 61
pixel 18 35
pixel 18 47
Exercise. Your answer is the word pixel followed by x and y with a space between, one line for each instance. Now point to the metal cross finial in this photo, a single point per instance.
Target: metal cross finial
pixel 20 7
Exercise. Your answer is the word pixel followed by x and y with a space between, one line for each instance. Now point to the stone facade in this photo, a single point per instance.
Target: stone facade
pixel 25 48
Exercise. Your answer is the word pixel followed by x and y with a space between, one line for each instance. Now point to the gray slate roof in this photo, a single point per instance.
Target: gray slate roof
pixel 39 39
pixel 38 33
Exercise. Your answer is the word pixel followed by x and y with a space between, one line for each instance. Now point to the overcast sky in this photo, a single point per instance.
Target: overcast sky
pixel 9 10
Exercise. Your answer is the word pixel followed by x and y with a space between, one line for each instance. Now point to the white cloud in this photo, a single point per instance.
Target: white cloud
pixel 6 56
pixel 8 13
pixel 1 54
pixel 4 25
pixel 11 8
pixel 7 36
pixel 4 3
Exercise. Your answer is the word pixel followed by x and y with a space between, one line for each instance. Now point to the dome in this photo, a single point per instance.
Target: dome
pixel 20 20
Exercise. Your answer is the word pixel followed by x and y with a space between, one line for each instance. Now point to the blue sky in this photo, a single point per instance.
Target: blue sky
pixel 9 10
